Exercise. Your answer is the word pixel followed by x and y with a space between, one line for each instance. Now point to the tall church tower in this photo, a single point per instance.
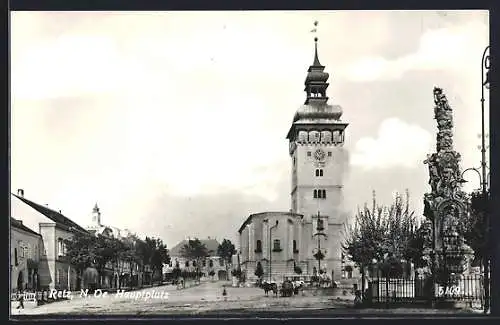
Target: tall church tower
pixel 319 162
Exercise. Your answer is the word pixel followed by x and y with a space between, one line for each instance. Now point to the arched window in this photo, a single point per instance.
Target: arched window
pixel 259 247
pixel 15 257
pixel 315 194
pixel 204 263
pixel 317 172
pixel 60 247
pixel 295 246
pixel 321 172
pixel 323 194
pixel 187 263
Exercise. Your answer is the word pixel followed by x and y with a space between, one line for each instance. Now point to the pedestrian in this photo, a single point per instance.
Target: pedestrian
pixel 357 299
pixel 224 292
pixel 20 298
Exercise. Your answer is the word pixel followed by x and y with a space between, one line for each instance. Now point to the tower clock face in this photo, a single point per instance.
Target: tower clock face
pixel 319 155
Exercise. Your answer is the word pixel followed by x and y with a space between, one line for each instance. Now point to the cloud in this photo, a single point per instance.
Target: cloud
pixel 398 144
pixel 453 48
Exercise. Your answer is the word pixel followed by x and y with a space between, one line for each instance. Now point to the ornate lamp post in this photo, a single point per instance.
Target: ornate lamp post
pixel 319 255
pixel 271 248
pixel 485 69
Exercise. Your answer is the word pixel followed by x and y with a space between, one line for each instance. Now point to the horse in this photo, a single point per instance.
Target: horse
pixel 297 286
pixel 287 288
pixel 270 286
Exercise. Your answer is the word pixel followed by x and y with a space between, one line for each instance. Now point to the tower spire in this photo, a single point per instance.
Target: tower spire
pixel 316 62
pixel 316 80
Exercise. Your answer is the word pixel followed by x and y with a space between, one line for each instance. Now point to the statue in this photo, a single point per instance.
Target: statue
pixel 444 206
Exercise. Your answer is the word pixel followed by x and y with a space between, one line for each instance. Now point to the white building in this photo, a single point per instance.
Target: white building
pixel 211 262
pixel 319 162
pixel 54 270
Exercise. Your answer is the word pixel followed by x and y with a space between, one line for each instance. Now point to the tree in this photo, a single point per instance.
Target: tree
pixel 195 250
pixel 80 252
pixel 297 269
pixel 159 257
pixel 474 225
pixel 105 252
pixel 383 234
pixel 226 250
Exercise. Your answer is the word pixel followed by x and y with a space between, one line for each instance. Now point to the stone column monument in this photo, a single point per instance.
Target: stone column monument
pixel 445 205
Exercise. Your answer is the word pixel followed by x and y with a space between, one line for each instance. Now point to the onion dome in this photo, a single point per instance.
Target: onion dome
pixel 316 80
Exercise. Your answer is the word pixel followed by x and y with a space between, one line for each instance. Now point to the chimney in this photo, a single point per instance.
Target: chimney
pixel 20 192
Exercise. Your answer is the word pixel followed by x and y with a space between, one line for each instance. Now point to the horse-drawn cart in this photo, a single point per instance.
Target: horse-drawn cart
pixel 287 288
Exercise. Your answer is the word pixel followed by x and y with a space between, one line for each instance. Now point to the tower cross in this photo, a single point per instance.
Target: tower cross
pixel 315 29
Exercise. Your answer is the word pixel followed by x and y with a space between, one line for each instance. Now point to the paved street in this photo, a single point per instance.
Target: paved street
pixel 205 299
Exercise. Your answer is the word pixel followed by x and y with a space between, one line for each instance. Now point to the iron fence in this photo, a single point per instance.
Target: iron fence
pixel 464 288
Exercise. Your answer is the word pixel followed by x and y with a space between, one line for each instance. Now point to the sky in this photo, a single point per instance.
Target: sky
pixel 175 123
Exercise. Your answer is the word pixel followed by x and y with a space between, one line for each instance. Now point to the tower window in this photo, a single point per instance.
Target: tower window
pixel 308 154
pixel 276 245
pixel 319 172
pixel 295 250
pixel 329 153
pixel 259 247
pixel 319 194
pixel 294 161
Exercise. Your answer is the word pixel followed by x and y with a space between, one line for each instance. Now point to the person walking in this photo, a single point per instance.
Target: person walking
pixel 20 298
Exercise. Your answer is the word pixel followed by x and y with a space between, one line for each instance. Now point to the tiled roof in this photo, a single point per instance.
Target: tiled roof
pixel 210 244
pixel 19 225
pixel 57 217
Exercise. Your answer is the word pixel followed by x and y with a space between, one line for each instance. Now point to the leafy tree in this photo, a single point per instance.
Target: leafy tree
pixel 382 233
pixel 226 250
pixel 80 251
pixel 105 252
pixel 195 250
pixel 474 225
pixel 159 257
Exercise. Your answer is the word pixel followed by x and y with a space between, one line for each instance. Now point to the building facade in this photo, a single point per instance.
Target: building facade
pixel 273 239
pixel 319 163
pixel 212 262
pixel 25 245
pixel 54 271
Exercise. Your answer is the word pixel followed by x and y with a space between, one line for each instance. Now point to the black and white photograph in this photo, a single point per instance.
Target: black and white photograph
pixel 215 163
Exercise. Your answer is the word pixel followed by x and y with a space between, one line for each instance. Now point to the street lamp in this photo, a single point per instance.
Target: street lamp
pixel 485 82
pixel 271 248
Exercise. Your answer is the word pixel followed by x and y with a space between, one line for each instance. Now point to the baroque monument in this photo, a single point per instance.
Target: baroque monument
pixel 445 205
